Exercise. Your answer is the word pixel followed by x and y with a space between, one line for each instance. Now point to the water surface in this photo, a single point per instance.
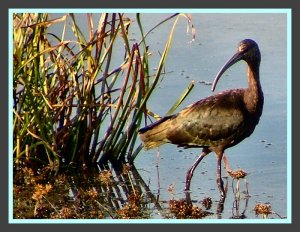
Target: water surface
pixel 264 154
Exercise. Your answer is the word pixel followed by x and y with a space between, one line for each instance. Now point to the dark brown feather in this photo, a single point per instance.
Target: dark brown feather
pixel 216 122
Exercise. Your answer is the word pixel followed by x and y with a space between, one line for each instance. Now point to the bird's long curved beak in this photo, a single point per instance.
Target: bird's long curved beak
pixel 236 57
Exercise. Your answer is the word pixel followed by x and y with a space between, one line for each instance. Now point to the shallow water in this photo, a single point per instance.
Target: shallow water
pixel 264 154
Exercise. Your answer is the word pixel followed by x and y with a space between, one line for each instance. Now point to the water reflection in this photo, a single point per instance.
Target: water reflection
pixel 237 212
pixel 115 191
pixel 123 192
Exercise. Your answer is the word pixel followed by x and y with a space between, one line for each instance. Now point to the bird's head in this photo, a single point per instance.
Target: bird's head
pixel 248 51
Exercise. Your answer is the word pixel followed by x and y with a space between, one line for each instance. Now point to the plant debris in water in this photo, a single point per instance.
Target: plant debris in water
pixel 132 209
pixel 238 174
pixel 182 209
pixel 95 196
pixel 263 209
pixel 207 202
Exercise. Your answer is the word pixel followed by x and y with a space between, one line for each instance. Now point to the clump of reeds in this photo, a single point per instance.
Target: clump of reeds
pixel 72 104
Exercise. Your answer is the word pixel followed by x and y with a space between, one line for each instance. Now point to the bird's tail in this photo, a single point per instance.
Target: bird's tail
pixel 156 134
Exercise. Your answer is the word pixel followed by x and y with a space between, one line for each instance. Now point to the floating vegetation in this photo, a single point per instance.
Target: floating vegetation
pixel 115 193
pixel 183 209
pixel 265 210
pixel 108 194
pixel 133 209
pixel 238 174
pixel 105 176
pixel 207 202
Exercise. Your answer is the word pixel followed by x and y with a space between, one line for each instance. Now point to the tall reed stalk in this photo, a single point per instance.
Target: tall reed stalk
pixel 72 103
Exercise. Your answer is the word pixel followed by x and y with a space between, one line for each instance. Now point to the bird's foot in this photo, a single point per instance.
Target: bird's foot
pixel 220 206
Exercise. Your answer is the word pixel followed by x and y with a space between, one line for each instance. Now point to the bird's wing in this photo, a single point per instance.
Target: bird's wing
pixel 209 121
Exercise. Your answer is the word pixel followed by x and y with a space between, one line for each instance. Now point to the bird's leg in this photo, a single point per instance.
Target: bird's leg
pixel 190 172
pixel 219 177
pixel 188 198
pixel 220 207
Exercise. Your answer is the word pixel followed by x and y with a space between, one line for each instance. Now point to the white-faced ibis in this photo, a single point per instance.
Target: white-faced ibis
pixel 217 122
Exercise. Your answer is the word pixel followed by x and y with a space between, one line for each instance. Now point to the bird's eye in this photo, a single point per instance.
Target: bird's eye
pixel 244 48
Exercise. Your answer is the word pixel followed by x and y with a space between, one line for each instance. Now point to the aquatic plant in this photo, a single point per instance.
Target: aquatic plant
pixel 74 104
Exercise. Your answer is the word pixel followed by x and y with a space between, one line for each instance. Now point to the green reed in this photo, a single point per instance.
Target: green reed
pixel 72 103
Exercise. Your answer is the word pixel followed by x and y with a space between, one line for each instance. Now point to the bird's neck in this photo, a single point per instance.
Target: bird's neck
pixel 254 96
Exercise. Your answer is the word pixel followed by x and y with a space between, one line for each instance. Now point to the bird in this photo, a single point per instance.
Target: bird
pixel 217 122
